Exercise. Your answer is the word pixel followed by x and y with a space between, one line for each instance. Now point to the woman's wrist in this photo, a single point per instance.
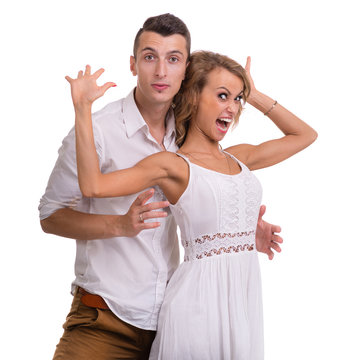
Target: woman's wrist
pixel 82 108
pixel 261 102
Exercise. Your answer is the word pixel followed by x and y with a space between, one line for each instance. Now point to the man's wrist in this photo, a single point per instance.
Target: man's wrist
pixel 114 225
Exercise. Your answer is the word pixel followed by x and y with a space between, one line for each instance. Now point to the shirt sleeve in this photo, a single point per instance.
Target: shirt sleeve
pixel 63 189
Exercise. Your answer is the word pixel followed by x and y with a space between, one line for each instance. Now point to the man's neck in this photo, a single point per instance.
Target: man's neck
pixel 154 116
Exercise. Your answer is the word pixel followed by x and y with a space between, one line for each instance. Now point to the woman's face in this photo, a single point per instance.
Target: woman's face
pixel 218 104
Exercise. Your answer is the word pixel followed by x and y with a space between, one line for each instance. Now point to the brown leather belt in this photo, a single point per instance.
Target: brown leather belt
pixel 92 300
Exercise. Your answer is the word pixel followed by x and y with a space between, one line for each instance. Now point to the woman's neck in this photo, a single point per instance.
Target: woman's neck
pixel 199 143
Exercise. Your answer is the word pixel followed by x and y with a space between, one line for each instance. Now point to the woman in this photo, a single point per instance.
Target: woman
pixel 212 307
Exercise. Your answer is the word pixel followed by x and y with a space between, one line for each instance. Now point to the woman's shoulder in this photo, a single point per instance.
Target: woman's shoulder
pixel 241 152
pixel 172 169
pixel 165 156
pixel 166 160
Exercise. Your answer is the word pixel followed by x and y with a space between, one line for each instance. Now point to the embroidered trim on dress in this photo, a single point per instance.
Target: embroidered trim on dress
pixel 218 244
pixel 222 236
pixel 229 250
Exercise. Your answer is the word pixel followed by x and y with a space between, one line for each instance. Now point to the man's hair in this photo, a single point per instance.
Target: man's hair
pixel 165 25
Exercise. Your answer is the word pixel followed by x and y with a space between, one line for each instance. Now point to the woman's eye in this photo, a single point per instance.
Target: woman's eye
pixel 238 98
pixel 223 96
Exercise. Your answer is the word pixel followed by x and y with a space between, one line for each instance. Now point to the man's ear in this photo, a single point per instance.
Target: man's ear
pixel 132 65
pixel 187 64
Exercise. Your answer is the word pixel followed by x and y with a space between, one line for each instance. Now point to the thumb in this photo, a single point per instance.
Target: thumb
pixel 248 64
pixel 107 86
pixel 69 79
pixel 262 211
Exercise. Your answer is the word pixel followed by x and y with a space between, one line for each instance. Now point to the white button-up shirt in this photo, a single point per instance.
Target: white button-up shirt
pixel 129 273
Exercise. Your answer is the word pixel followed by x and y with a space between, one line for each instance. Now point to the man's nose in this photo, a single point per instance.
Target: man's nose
pixel 160 70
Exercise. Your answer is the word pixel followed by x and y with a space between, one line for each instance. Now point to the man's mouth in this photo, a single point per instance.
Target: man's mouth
pixel 160 87
pixel 223 124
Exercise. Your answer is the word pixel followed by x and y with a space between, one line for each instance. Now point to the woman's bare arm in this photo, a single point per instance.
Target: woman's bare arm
pixel 93 183
pixel 297 134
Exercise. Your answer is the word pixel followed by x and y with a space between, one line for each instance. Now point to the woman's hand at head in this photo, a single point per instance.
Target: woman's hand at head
pixel 252 85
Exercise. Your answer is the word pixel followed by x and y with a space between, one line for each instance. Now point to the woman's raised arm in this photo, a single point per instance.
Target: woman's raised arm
pixel 93 183
pixel 298 134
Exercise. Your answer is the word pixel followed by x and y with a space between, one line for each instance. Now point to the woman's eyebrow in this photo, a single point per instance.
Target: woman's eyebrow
pixel 223 87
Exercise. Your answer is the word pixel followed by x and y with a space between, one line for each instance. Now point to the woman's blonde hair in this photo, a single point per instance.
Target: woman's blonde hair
pixel 185 102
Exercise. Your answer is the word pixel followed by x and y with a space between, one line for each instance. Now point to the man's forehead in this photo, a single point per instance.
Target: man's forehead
pixel 155 42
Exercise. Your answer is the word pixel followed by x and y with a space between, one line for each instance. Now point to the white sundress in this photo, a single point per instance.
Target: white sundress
pixel 213 304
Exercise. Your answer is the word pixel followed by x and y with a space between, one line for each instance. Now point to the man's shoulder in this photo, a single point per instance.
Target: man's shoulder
pixel 112 109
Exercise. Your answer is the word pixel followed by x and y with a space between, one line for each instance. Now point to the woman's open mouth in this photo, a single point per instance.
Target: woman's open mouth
pixel 223 124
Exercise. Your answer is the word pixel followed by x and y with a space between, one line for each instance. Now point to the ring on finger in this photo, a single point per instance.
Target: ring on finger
pixel 141 217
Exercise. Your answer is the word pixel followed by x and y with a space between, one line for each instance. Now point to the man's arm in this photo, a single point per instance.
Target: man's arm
pixel 74 224
pixel 266 236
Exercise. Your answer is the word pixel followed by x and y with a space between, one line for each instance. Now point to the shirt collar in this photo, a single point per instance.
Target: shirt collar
pixel 170 124
pixel 132 117
pixel 134 121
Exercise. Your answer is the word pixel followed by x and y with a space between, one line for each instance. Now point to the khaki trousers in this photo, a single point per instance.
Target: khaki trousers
pixel 96 334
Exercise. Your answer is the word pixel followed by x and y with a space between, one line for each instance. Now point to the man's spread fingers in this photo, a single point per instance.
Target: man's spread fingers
pixel 154 214
pixel 149 225
pixel 277 239
pixel 155 206
pixel 144 197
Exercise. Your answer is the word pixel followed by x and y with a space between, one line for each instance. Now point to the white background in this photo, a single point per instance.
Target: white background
pixel 304 55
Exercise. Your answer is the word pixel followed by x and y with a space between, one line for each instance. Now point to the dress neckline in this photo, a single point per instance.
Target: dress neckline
pixel 214 171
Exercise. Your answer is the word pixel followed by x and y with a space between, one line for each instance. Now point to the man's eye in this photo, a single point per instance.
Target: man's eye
pixel 149 57
pixel 173 59
pixel 223 96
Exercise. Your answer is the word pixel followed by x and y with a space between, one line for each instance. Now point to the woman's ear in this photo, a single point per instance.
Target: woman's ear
pixel 194 103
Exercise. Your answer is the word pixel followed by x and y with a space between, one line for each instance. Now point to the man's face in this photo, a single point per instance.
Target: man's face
pixel 160 67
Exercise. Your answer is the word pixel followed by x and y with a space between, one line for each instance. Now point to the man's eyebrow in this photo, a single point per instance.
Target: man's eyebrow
pixel 176 52
pixel 148 48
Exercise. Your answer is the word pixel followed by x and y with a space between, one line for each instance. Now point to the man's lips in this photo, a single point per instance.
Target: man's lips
pixel 160 87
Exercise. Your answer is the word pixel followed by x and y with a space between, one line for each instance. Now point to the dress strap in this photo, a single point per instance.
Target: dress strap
pixel 242 165
pixel 177 204
pixel 184 157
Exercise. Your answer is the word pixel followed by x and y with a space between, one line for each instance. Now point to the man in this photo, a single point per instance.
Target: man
pixel 122 271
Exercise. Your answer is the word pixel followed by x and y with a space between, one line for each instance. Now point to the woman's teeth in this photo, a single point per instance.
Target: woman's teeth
pixel 226 120
pixel 223 123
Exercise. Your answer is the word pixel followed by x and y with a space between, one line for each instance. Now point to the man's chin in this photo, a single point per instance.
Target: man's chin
pixel 163 98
